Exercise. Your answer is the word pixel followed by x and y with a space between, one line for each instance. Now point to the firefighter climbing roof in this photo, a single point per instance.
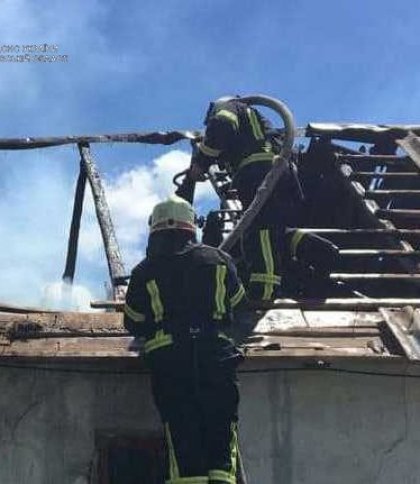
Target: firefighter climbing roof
pixel 361 193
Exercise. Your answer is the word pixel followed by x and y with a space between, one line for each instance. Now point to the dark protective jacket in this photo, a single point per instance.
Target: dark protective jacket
pixel 181 298
pixel 179 290
pixel 235 133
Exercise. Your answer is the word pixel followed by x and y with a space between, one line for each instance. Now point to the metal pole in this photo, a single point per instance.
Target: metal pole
pixel 112 251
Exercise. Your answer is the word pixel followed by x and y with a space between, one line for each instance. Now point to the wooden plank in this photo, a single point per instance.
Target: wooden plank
pixel 395 253
pixel 399 321
pixel 361 231
pixel 157 137
pixel 295 322
pixel 11 308
pixel 71 347
pixel 280 320
pixel 372 212
pixel 93 321
pixel 364 133
pixel 376 158
pixel 325 332
pixel 390 193
pixel 255 361
pixel 411 145
pixel 398 175
pixel 323 342
pixel 120 347
pixel 109 323
pixel 118 360
pixel 385 238
pixel 316 351
pixel 374 363
pixel 382 195
pixel 356 304
pixel 364 163
pixel 342 319
pixel 398 214
pixel 374 276
pixel 73 241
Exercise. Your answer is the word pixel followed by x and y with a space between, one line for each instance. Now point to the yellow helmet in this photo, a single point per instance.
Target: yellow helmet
pixel 173 214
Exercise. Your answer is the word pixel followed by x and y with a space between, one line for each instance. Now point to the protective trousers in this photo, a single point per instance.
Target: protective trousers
pixel 262 244
pixel 199 413
pixel 262 254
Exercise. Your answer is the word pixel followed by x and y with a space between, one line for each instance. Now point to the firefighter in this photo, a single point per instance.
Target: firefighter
pixel 181 299
pixel 237 136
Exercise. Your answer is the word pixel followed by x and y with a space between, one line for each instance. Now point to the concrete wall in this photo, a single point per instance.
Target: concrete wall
pixel 296 427
pixel 326 428
pixel 48 420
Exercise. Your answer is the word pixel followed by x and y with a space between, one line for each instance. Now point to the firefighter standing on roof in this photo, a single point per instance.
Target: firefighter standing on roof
pixel 181 299
pixel 236 135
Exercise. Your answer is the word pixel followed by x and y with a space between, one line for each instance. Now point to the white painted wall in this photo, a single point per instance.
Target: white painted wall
pixel 329 428
pixel 296 427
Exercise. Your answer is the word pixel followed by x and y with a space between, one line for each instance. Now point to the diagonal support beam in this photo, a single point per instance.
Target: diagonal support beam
pixel 70 268
pixel 112 251
pixel 411 145
pixel 404 325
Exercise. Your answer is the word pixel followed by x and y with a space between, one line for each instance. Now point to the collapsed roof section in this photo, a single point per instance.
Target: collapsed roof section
pixel 364 199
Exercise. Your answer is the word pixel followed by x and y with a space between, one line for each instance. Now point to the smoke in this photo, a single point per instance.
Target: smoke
pixel 64 296
pixel 35 199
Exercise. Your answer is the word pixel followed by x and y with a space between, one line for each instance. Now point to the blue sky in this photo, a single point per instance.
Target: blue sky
pixel 137 66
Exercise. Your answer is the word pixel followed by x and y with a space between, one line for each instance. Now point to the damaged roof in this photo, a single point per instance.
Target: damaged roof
pixel 297 337
pixel 368 204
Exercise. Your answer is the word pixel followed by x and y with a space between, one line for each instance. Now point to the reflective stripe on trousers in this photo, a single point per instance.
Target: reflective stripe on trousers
pixel 174 477
pixel 220 292
pixel 269 262
pixel 223 475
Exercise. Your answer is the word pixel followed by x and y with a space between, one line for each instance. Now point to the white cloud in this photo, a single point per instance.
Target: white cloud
pixel 131 197
pixel 36 199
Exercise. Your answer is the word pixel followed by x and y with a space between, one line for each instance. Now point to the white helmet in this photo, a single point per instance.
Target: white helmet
pixel 225 99
pixel 173 214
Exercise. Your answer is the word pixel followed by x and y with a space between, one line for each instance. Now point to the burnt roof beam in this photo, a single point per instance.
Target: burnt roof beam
pixel 112 250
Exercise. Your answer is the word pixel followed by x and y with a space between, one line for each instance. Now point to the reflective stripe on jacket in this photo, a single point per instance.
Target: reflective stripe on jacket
pixel 235 134
pixel 197 288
